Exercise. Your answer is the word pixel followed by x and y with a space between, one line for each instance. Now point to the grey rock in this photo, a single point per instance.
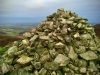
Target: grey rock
pixel 89 55
pixel 62 60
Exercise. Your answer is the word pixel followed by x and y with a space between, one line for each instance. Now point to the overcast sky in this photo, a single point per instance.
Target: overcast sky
pixel 30 11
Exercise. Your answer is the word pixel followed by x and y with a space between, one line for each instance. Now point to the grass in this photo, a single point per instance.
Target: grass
pixel 3 50
pixel 12 31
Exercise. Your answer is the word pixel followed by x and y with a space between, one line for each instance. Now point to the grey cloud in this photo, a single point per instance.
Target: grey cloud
pixel 33 8
pixel 27 5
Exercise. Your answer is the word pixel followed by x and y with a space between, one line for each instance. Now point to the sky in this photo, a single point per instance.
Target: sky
pixel 32 11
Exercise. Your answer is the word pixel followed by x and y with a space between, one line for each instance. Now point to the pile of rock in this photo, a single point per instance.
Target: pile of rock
pixel 64 44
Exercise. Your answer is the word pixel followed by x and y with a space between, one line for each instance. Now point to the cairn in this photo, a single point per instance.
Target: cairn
pixel 63 44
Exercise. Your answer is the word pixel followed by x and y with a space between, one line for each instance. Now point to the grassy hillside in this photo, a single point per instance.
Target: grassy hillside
pixel 9 34
pixel 12 31
pixel 5 40
pixel 97 30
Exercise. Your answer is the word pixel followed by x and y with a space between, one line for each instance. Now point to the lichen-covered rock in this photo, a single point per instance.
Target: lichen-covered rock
pixel 59 45
pixel 89 55
pixel 63 44
pixel 62 60
pixel 24 60
pixel 27 34
pixel 20 71
pixel 51 66
pixel 5 68
pixel 11 51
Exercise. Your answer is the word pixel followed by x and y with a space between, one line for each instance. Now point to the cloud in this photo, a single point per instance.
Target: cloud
pixel 42 8
pixel 23 5
pixel 44 5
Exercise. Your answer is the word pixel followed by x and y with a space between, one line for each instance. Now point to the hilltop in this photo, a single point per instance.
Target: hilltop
pixel 13 32
pixel 5 40
pixel 97 30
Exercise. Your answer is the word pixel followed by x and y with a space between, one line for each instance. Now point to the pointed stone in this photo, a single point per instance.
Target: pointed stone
pixel 89 55
pixel 72 55
pixel 62 60
pixel 59 45
pixel 24 60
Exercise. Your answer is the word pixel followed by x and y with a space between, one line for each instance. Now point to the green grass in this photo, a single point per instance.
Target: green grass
pixel 11 33
pixel 3 50
pixel 14 32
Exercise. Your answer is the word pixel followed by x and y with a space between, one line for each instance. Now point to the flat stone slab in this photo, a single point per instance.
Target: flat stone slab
pixel 89 55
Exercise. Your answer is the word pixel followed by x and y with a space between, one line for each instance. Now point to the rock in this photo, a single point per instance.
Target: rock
pixel 37 65
pixel 53 73
pixel 27 34
pixel 25 42
pixel 59 45
pixel 72 55
pixel 12 50
pixel 80 49
pixel 5 68
pixel 62 60
pixel 33 30
pixel 34 38
pixel 20 72
pixel 76 35
pixel 44 57
pixel 42 71
pixel 89 55
pixel 24 60
pixel 72 67
pixel 68 38
pixel 51 65
pixel 92 66
pixel 83 70
pixel 44 37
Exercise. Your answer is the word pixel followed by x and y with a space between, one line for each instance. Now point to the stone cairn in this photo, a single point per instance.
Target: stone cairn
pixel 63 44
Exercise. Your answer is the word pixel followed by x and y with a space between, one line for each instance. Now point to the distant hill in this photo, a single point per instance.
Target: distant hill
pixel 97 29
pixel 11 31
pixel 1 32
pixel 9 34
pixel 97 26
pixel 5 40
